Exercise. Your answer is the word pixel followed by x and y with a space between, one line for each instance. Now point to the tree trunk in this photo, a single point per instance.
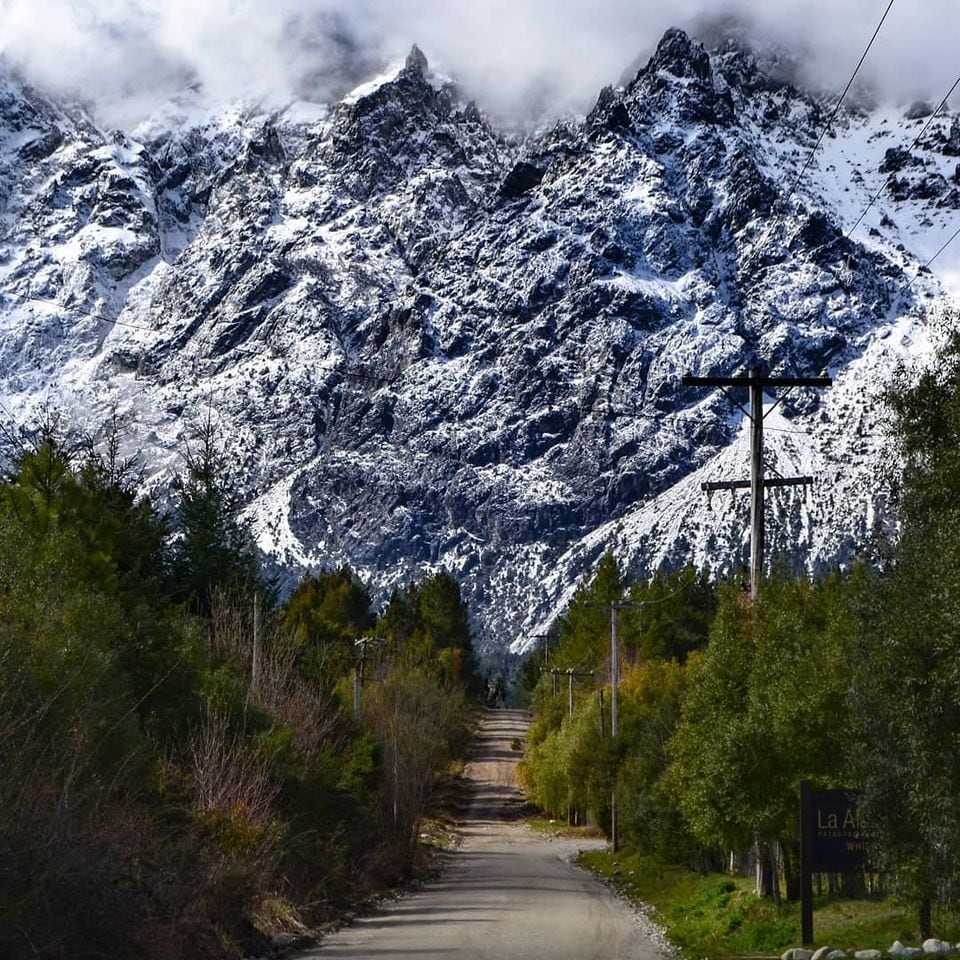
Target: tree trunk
pixel 764 871
pixel 773 852
pixel 791 870
pixel 742 862
pixel 711 861
pixel 925 918
pixel 854 884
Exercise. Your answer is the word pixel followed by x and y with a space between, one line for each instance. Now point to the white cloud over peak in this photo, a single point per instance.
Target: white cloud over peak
pixel 515 56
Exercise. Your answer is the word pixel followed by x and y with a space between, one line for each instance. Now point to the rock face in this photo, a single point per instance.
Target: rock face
pixel 428 342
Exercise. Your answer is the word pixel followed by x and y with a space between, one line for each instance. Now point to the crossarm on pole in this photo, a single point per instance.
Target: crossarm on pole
pixel 745 484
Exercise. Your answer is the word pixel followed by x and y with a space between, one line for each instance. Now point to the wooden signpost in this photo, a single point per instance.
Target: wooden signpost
pixel 833 839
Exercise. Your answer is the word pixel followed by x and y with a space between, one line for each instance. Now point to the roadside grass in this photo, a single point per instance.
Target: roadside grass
pixel 715 915
pixel 557 828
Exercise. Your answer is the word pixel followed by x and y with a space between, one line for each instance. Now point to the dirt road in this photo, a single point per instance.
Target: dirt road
pixel 507 895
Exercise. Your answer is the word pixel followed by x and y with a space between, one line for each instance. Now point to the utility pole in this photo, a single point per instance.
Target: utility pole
pixel 255 652
pixel 615 606
pixel 255 663
pixel 571 673
pixel 543 645
pixel 756 382
pixel 358 678
pixel 396 761
pixel 614 683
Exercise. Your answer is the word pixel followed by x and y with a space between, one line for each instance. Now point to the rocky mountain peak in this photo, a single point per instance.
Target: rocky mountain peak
pixel 680 80
pixel 428 344
pixel 417 62
pixel 679 54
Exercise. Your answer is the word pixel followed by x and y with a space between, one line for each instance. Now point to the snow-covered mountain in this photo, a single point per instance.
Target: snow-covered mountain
pixel 430 342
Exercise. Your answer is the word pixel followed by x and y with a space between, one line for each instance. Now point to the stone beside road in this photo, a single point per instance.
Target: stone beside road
pixel 897 950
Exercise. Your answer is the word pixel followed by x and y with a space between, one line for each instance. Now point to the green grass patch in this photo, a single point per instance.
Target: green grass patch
pixel 715 915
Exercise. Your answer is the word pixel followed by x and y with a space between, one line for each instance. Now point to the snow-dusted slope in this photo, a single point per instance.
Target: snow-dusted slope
pixel 429 343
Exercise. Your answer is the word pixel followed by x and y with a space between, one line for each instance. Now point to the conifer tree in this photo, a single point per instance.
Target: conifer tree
pixel 212 548
pixel 325 615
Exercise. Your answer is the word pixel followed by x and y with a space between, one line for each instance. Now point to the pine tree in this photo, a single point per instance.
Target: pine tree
pixel 212 548
pixel 325 615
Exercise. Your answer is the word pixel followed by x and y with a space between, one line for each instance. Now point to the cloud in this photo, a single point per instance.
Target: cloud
pixel 516 57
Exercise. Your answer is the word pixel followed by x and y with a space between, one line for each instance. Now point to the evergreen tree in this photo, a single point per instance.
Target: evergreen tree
pixel 429 623
pixel 584 641
pixel 212 548
pixel 446 622
pixel 678 608
pixel 325 615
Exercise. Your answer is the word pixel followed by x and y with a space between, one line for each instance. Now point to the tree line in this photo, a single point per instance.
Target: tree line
pixel 846 679
pixel 182 769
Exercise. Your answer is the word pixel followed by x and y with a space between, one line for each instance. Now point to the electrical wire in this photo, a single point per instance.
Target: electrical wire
pixel 676 593
pixel 11 295
pixel 912 146
pixel 926 265
pixel 836 109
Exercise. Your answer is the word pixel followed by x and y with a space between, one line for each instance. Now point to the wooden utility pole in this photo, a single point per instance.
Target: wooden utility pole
pixel 614 683
pixel 255 660
pixel 543 645
pixel 615 606
pixel 358 677
pixel 806 865
pixel 614 672
pixel 756 382
pixel 570 675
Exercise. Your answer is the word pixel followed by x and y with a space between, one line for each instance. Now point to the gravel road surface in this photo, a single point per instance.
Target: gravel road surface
pixel 508 894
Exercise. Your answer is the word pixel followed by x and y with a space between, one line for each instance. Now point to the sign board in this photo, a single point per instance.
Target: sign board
pixel 833 839
pixel 838 838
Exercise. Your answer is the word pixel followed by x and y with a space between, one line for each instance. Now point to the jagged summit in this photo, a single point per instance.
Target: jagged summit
pixel 682 56
pixel 427 342
pixel 417 61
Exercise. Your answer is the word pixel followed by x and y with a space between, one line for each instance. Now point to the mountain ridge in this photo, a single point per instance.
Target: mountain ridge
pixel 429 342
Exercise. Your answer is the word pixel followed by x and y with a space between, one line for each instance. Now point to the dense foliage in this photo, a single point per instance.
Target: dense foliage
pixel 179 757
pixel 845 680
pixel 907 696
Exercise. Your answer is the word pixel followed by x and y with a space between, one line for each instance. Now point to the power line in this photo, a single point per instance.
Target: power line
pixel 836 109
pixel 76 310
pixel 917 139
pixel 926 265
pixel 912 146
pixel 676 593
